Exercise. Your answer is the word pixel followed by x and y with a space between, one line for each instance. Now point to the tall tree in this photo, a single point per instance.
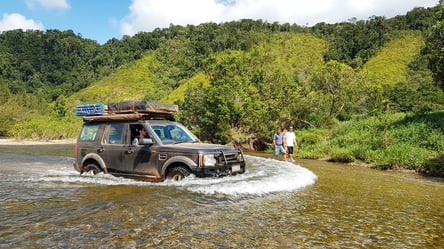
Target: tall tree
pixel 337 83
pixel 434 48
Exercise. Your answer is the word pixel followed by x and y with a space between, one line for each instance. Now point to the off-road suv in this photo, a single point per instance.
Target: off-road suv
pixel 169 151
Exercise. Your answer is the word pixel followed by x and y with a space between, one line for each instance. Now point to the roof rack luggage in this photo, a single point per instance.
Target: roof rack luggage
pixel 142 106
pixel 126 110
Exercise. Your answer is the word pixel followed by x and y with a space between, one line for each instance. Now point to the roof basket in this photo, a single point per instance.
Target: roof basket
pixel 142 106
pixel 126 110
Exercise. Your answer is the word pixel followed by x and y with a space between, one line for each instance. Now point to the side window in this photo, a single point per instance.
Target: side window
pixel 135 131
pixel 89 132
pixel 114 134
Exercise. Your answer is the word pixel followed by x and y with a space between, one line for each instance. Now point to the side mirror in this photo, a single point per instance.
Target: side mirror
pixel 145 141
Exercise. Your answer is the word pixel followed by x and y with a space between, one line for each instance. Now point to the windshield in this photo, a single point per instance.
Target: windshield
pixel 173 133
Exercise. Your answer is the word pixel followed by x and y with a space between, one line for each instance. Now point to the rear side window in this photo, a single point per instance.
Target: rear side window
pixel 114 134
pixel 89 132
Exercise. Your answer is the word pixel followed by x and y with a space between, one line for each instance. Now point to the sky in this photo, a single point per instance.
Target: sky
pixel 101 20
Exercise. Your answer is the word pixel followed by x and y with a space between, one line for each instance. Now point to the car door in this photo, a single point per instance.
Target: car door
pixel 138 158
pixel 113 146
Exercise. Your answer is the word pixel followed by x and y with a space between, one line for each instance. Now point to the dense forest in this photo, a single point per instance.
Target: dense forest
pixel 368 91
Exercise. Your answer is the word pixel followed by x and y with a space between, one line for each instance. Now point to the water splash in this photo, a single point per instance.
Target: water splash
pixel 263 176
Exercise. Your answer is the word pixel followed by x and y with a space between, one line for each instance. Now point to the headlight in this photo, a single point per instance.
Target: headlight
pixel 209 160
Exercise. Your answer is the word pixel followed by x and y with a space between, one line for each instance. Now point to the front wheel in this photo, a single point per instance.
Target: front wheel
pixel 91 169
pixel 178 173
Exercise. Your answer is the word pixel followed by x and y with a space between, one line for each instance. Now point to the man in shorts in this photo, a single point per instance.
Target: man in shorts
pixel 290 139
pixel 279 143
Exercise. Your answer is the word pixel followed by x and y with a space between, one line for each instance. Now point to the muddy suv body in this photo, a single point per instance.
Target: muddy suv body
pixel 105 144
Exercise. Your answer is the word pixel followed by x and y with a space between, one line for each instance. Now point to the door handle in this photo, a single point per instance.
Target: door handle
pixel 130 151
pixel 100 149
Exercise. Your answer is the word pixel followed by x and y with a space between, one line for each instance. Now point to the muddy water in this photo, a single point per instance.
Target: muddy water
pixel 44 203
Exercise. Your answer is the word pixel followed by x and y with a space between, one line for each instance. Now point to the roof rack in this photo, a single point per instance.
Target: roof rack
pixel 142 106
pixel 126 110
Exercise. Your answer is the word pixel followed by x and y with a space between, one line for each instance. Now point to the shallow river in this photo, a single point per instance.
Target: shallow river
pixel 44 203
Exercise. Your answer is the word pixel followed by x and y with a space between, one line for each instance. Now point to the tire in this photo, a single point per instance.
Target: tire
pixel 91 169
pixel 178 173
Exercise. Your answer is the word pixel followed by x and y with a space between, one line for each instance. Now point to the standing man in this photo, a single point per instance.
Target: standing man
pixel 291 143
pixel 279 142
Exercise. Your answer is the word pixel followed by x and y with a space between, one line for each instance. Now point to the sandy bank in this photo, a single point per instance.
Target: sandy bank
pixel 11 141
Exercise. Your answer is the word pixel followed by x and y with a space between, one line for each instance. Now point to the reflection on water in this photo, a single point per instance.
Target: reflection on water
pixel 45 203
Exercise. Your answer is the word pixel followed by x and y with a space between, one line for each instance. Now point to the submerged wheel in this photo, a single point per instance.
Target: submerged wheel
pixel 91 169
pixel 178 173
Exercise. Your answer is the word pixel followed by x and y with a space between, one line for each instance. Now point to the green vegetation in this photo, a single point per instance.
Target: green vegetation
pixel 363 91
pixel 388 141
pixel 143 84
pixel 388 66
pixel 200 80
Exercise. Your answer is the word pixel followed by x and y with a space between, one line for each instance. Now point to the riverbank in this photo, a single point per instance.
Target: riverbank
pixel 12 141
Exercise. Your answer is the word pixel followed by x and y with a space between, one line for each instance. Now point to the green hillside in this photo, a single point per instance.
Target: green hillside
pixel 292 54
pixel 137 80
pixel 297 55
pixel 178 94
pixel 390 64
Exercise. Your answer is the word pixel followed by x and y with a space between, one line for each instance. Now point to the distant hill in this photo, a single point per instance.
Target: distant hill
pixel 390 64
pixel 137 80
pixel 295 54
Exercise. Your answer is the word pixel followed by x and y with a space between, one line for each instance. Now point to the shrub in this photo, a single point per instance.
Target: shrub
pixel 38 127
pixel 310 139
pixel 312 136
pixel 360 152
pixel 341 155
pixel 403 156
pixel 12 113
pixel 435 166
pixel 314 151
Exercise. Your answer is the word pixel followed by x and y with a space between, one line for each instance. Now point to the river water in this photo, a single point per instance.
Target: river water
pixel 44 203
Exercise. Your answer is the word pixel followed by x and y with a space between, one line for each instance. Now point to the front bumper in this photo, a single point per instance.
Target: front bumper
pixel 220 170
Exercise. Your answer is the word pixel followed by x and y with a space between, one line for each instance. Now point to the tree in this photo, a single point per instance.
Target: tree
pixel 4 92
pixel 434 48
pixel 354 42
pixel 337 83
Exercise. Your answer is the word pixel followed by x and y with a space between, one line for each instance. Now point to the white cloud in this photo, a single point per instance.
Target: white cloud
pixel 146 15
pixel 48 4
pixel 17 21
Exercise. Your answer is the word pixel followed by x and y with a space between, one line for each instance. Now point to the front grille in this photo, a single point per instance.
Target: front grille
pixel 228 158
